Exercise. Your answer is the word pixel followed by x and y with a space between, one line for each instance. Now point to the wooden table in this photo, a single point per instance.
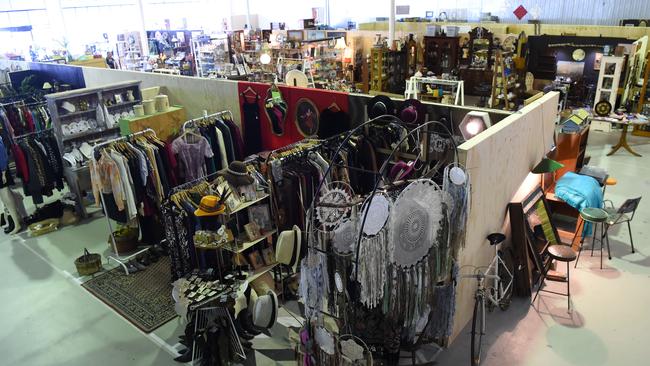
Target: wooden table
pixel 622 141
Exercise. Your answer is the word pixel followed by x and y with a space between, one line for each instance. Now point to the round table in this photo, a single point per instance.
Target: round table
pixel 622 141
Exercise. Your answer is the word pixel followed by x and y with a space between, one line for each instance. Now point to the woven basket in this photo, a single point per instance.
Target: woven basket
pixel 126 240
pixel 88 263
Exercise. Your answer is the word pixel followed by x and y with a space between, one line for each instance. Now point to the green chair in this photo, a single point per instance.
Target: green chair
pixel 623 214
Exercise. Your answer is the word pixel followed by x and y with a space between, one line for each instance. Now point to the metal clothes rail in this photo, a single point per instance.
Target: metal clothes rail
pixel 122 260
pixel 206 116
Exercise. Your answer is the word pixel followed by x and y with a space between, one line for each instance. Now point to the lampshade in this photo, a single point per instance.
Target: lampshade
pixel 340 44
pixel 347 55
pixel 47 85
pixel 474 123
pixel 265 59
pixel 547 166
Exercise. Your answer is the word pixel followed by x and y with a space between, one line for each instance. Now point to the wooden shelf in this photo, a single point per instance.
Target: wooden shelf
pixel 252 276
pixel 247 244
pixel 124 104
pixel 249 203
pixel 86 134
pixel 78 113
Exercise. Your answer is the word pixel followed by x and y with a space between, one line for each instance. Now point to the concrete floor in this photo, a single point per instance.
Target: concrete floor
pixel 609 323
pixel 46 318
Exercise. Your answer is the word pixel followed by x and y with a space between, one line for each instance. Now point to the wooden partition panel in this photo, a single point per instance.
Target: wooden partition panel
pixel 498 161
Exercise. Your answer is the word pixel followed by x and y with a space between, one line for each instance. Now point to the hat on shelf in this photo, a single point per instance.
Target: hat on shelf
pixel 265 311
pixel 380 105
pixel 413 112
pixel 416 222
pixel 210 206
pixel 288 247
pixel 237 174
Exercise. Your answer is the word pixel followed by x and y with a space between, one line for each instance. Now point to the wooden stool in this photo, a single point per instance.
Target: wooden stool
pixel 595 216
pixel 561 253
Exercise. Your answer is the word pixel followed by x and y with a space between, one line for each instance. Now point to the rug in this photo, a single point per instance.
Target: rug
pixel 143 298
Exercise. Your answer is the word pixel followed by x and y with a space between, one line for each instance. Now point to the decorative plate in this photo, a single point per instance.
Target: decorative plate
pixel 603 108
pixel 578 54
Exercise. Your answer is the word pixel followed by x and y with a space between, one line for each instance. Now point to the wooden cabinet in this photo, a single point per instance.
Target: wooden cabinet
pixel 608 79
pixel 441 54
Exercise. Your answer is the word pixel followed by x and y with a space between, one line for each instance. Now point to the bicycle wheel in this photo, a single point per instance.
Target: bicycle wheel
pixel 505 294
pixel 477 330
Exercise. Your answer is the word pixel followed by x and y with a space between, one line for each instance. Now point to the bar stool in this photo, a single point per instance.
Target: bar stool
pixel 594 216
pixel 561 253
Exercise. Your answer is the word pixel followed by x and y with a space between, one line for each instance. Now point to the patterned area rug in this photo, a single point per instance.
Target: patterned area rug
pixel 143 298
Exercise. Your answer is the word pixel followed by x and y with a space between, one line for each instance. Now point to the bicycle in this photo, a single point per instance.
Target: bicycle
pixel 501 270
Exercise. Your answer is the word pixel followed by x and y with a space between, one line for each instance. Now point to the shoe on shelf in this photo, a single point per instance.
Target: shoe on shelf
pixel 185 357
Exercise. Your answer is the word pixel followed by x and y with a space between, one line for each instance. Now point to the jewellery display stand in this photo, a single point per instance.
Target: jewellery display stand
pixel 425 129
pixel 122 260
pixel 84 104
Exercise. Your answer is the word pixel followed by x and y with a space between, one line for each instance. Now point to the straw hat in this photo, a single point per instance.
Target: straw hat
pixel 288 247
pixel 209 206
pixel 265 311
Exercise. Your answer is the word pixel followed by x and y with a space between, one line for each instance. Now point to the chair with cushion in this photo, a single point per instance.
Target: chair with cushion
pixel 623 214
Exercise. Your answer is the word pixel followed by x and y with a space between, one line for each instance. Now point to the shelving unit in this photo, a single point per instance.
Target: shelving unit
pixel 211 55
pixel 129 51
pixel 90 99
pixel 504 81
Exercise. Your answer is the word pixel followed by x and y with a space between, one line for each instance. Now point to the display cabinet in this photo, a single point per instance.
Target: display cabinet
pixel 441 54
pixel 79 116
pixel 608 79
pixel 480 48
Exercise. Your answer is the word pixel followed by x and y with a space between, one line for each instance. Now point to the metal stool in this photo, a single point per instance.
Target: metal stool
pixel 561 253
pixel 595 216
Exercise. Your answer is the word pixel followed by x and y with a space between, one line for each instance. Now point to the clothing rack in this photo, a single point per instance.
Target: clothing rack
pixel 41 132
pixel 192 183
pixel 205 116
pixel 122 260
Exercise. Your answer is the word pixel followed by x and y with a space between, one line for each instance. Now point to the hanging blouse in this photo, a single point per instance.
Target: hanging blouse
pixel 191 156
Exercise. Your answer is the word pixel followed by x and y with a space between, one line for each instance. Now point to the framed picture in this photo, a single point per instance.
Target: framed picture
pixel 597 58
pixel 295 35
pixel 261 215
pixel 269 255
pixel 248 192
pixel 252 231
pixel 255 259
pixel 234 200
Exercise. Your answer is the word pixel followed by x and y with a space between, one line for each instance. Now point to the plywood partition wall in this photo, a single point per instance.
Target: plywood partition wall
pixel 195 94
pixel 498 161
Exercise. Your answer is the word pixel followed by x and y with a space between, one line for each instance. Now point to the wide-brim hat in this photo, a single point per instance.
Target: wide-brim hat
pixel 236 174
pixel 265 311
pixel 416 222
pixel 380 105
pixel 413 112
pixel 209 207
pixel 288 248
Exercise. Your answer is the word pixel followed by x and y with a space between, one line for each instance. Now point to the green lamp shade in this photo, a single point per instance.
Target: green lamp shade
pixel 547 166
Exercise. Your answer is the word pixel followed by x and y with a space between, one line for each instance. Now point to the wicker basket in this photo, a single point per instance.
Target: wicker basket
pixel 88 263
pixel 126 240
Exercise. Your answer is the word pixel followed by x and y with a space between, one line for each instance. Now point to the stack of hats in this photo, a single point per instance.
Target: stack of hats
pixel 236 174
pixel 288 247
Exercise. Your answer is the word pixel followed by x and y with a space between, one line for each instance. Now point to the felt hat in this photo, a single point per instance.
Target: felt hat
pixel 236 174
pixel 209 207
pixel 413 112
pixel 416 222
pixel 380 105
pixel 288 247
pixel 265 311
pixel 401 170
